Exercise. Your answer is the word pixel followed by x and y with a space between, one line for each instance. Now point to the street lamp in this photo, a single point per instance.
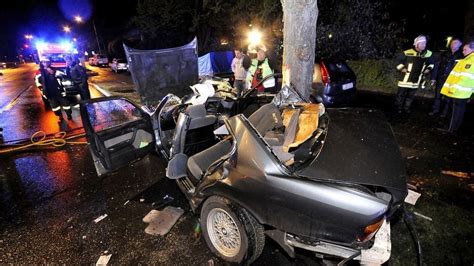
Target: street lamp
pixel 67 29
pixel 28 36
pixel 79 19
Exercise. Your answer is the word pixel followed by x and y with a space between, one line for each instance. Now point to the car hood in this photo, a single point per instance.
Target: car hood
pixel 359 148
pixel 155 73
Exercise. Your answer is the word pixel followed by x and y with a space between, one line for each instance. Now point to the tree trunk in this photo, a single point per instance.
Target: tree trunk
pixel 299 43
pixel 469 25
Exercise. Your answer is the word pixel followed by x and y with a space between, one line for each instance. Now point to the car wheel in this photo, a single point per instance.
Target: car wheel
pixel 230 231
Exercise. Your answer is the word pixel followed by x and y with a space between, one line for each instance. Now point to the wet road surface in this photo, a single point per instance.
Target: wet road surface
pixel 50 197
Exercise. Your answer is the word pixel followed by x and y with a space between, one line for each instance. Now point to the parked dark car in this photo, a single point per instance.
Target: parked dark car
pixel 325 181
pixel 334 81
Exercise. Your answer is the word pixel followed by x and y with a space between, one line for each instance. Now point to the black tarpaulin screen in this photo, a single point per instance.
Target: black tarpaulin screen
pixel 156 73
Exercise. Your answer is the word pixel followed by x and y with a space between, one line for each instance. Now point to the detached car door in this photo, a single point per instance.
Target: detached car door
pixel 118 131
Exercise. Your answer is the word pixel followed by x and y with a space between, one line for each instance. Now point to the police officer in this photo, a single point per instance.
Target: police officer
pixel 53 90
pixel 459 86
pixel 413 65
pixel 444 67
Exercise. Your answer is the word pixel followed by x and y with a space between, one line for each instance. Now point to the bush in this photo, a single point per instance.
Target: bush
pixel 375 75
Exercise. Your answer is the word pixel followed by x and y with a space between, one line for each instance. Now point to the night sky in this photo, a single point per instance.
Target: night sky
pixel 437 19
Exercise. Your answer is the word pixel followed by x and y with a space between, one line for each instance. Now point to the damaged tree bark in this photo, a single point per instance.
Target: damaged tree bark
pixel 299 43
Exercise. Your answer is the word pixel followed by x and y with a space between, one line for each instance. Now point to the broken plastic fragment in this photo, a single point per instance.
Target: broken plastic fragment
pixel 103 260
pixel 423 216
pixel 100 218
pixel 412 197
pixel 161 222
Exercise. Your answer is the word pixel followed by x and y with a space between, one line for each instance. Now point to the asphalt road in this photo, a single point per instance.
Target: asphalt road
pixel 49 197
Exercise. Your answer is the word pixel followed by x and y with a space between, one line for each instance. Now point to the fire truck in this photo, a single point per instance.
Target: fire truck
pixel 56 53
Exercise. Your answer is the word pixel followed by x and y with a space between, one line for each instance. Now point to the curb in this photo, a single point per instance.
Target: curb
pixel 104 92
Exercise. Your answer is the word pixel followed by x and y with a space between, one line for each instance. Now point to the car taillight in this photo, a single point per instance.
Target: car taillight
pixel 371 229
pixel 324 73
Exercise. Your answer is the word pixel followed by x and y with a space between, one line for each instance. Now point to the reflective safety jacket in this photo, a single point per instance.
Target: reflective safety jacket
pixel 265 71
pixel 460 82
pixel 415 64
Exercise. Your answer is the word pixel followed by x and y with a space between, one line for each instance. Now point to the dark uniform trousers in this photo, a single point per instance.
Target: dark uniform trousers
pixel 459 107
pixel 406 94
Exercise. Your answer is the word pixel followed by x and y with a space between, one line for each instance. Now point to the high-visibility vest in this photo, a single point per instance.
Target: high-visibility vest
pixel 460 82
pixel 266 70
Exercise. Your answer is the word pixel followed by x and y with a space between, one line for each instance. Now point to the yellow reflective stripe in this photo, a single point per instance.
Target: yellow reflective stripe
pixel 399 67
pixel 66 107
pixel 407 75
pixel 55 109
pixel 461 88
pixel 408 84
pixel 37 80
pixel 462 74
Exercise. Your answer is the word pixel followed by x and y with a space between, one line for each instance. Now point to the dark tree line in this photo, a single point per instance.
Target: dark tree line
pixel 346 28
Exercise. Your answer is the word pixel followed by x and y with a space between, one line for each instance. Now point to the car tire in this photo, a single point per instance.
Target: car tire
pixel 219 217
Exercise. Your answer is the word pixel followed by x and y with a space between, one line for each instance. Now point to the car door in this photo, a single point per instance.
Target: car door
pixel 118 132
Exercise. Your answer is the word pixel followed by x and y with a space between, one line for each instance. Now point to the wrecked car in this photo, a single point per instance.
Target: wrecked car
pixel 323 180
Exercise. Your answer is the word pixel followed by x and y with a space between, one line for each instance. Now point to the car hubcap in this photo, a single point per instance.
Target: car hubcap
pixel 223 232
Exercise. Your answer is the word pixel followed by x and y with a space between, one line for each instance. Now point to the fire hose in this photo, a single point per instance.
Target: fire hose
pixel 41 139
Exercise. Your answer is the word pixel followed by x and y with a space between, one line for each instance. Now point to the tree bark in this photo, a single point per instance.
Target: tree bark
pixel 299 43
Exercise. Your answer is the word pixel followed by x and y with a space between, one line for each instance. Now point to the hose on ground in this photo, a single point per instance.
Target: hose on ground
pixel 41 139
pixel 414 234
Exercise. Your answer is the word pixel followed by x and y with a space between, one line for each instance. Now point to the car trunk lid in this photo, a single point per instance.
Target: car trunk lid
pixel 359 148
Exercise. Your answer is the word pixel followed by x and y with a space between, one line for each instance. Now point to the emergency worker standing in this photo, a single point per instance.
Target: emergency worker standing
pixel 260 68
pixel 53 90
pixel 78 75
pixel 459 86
pixel 444 67
pixel 413 65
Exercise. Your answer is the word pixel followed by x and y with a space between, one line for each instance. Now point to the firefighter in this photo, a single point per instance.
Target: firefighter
pixel 53 91
pixel 414 65
pixel 459 86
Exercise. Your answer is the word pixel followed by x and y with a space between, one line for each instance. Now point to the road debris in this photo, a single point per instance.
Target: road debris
pixel 161 222
pixel 412 186
pixel 197 230
pixel 104 259
pixel 412 197
pixel 166 200
pixel 100 218
pixel 423 216
pixel 461 175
